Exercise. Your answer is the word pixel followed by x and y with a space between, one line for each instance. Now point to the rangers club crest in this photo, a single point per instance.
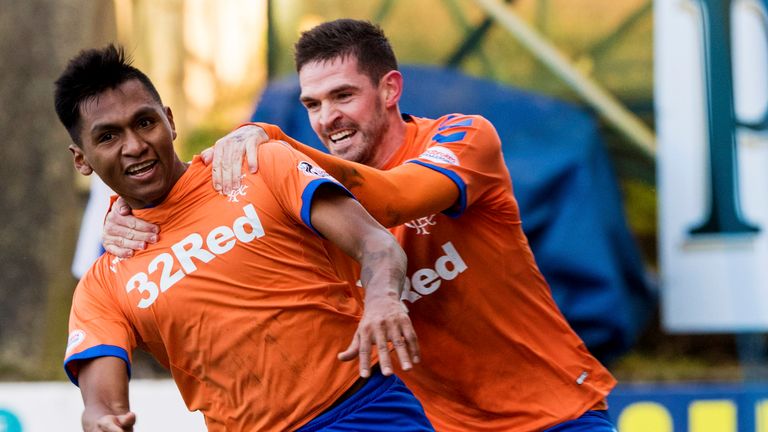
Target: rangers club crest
pixel 421 224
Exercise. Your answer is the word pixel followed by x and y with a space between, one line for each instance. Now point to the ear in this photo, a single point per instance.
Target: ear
pixel 391 86
pixel 169 114
pixel 81 164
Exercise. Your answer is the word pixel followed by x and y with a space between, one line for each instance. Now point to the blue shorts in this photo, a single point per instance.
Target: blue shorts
pixel 590 421
pixel 382 404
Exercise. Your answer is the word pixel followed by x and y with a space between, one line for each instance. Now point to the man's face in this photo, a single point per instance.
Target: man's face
pixel 127 139
pixel 345 108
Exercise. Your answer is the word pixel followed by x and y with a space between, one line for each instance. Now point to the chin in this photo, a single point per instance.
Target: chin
pixel 347 155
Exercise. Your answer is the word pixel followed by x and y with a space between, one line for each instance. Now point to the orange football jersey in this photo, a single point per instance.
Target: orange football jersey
pixel 497 354
pixel 240 299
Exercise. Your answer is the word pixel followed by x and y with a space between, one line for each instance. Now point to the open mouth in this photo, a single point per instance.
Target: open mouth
pixel 342 135
pixel 140 168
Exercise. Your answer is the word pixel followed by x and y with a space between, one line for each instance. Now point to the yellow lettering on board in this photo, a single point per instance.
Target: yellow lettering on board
pixel 644 417
pixel 712 416
pixel 761 416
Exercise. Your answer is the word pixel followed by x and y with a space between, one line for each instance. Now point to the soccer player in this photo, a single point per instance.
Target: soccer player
pixel 241 298
pixel 497 355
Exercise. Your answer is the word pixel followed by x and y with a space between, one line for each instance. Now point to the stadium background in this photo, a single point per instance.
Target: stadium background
pixel 212 59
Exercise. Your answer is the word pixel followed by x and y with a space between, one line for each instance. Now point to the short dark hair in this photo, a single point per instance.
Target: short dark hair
pixel 346 38
pixel 90 73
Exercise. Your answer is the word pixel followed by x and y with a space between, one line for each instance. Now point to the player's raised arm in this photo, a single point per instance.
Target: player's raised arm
pixel 383 265
pixel 104 387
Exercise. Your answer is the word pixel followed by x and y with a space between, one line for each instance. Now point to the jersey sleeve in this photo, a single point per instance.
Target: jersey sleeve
pixel 294 179
pixel 392 197
pixel 467 150
pixel 97 325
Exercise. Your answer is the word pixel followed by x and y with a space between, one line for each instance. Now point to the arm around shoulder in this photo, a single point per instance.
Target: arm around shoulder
pixel 392 197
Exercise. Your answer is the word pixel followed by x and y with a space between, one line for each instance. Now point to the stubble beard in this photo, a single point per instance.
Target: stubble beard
pixel 370 140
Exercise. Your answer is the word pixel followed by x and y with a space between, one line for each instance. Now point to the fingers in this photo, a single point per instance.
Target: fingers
pixel 228 153
pixel 351 352
pixel 130 228
pixel 233 155
pixel 127 420
pixel 109 427
pixel 411 340
pixel 364 356
pixel 218 150
pixel 226 168
pixel 121 207
pixel 119 220
pixel 124 233
pixel 129 232
pixel 404 341
pixel 207 156
pixel 381 345
pixel 251 155
pixel 379 329
pixel 227 161
pixel 120 247
pixel 360 347
pixel 120 423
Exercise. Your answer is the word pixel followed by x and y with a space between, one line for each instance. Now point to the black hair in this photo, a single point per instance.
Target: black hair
pixel 346 38
pixel 88 74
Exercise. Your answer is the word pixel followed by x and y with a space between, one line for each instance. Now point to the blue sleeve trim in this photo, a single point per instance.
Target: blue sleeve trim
pixel 96 352
pixel 458 209
pixel 443 126
pixel 309 195
pixel 445 139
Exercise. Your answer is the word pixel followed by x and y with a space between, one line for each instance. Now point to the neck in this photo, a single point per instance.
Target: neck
pixel 391 141
pixel 179 168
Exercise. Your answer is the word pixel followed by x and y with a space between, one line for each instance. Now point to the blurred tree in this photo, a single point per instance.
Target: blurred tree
pixel 38 202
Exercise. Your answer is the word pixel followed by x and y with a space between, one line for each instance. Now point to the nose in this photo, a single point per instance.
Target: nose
pixel 133 144
pixel 328 115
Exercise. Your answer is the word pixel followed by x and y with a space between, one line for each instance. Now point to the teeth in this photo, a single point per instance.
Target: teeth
pixel 341 135
pixel 140 167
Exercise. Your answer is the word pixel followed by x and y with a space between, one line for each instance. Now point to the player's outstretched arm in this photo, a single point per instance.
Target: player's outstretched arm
pixel 383 265
pixel 123 233
pixel 392 197
pixel 104 386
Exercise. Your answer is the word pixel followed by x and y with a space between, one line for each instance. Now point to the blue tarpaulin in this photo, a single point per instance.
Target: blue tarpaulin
pixel 564 183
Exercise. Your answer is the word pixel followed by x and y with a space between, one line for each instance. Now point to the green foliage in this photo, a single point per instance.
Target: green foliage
pixel 607 40
pixel 199 139
pixel 639 367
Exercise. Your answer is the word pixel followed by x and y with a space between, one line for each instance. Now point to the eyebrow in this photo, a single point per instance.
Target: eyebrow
pixel 141 112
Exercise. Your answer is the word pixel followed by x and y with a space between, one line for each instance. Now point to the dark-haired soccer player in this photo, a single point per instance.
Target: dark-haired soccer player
pixel 241 298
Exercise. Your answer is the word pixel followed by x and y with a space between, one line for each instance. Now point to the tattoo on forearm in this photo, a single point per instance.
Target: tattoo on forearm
pixel 351 178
